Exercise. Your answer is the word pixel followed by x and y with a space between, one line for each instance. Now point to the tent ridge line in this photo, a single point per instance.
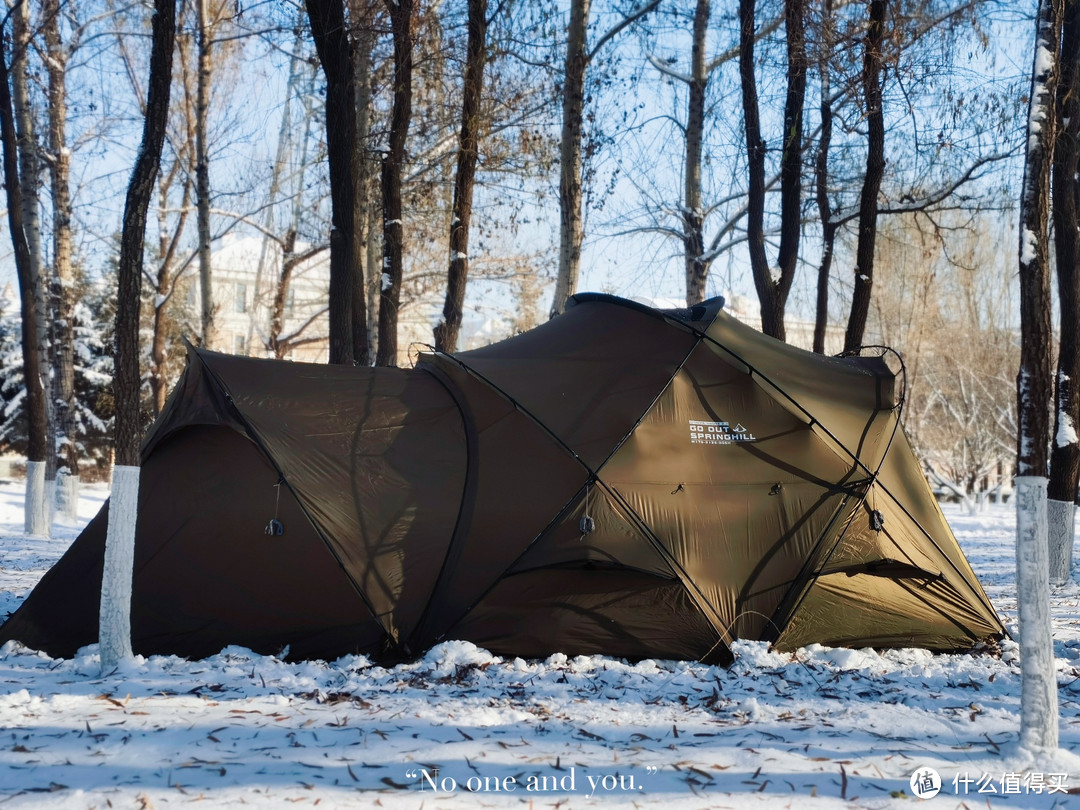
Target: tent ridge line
pixel 254 436
pixel 453 550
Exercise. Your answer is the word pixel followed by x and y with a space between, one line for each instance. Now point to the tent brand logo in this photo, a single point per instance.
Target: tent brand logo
pixel 719 433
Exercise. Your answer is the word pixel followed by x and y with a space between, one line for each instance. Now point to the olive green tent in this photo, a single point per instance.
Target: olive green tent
pixel 620 480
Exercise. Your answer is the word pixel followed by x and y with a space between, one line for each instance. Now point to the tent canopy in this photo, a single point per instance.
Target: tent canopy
pixel 620 480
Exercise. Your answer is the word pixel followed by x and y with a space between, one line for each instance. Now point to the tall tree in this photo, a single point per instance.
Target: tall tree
pixel 1038 701
pixel 821 177
pixel 773 288
pixel 875 170
pixel 58 158
pixel 393 167
pixel 115 620
pixel 332 44
pixel 205 46
pixel 36 508
pixel 1065 454
pixel 578 57
pixel 29 177
pixel 446 333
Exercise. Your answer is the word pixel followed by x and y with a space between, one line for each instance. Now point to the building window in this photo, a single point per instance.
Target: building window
pixel 241 297
pixel 239 344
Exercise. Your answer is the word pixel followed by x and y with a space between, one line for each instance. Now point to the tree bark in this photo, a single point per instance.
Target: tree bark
pixel 365 165
pixel 332 44
pixel 573 111
pixel 29 173
pixel 693 217
pixel 115 629
pixel 446 333
pixel 1038 677
pixel 821 172
pixel 59 162
pixel 875 169
pixel 790 161
pixel 202 174
pixel 36 522
pixel 1038 703
pixel 370 193
pixel 1065 454
pixel 401 20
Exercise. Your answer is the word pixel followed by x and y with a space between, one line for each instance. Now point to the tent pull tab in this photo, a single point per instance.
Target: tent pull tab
pixel 877 521
pixel 586 524
pixel 274 527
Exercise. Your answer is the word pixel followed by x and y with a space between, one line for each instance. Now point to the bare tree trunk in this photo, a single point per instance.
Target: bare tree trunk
pixel 828 229
pixel 202 174
pixel 755 153
pixel 773 286
pixel 369 209
pixel 573 111
pixel 1038 702
pixel 790 161
pixel 1065 455
pixel 35 392
pixel 693 217
pixel 115 621
pixel 875 169
pixel 401 13
pixel 332 44
pixel 59 160
pixel 29 172
pixel 164 287
pixel 446 333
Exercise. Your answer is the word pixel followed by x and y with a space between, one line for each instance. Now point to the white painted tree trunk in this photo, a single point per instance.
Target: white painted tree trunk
pixel 67 497
pixel 114 631
pixel 37 510
pixel 1038 689
pixel 1059 517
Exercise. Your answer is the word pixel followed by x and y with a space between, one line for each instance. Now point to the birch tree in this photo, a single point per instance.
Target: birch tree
pixel 1038 709
pixel 115 617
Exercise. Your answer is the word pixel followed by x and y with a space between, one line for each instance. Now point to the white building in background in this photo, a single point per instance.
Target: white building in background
pixel 244 273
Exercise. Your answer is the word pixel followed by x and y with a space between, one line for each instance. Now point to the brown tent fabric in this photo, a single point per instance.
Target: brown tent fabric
pixel 620 480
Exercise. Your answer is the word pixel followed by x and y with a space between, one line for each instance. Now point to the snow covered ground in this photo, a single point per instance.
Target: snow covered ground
pixel 462 729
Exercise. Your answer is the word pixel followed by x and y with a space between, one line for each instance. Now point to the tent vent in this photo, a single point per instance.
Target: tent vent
pixel 877 521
